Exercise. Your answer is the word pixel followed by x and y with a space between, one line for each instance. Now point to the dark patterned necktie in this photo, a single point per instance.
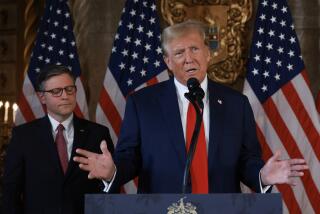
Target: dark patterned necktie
pixel 62 148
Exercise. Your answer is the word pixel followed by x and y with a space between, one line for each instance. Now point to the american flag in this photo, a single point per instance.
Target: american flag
pixel 318 102
pixel 278 89
pixel 55 44
pixel 136 61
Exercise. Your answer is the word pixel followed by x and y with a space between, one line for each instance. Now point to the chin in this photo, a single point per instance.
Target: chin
pixel 193 76
pixel 200 77
pixel 66 112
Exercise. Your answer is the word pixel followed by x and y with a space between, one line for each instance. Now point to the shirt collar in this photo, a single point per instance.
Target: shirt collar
pixel 67 124
pixel 182 89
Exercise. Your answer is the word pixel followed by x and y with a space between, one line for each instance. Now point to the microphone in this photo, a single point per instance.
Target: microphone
pixel 195 93
pixel 195 96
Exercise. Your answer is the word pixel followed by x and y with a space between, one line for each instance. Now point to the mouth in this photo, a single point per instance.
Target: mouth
pixel 63 105
pixel 191 70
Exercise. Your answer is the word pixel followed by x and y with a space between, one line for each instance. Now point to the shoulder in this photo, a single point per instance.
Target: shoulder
pixel 30 131
pixel 153 90
pixel 150 90
pixel 94 131
pixel 30 126
pixel 225 91
pixel 89 124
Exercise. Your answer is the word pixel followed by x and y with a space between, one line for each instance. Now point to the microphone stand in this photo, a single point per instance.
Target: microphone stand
pixel 198 105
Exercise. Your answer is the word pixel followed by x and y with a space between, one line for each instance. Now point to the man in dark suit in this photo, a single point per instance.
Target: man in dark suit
pixel 154 133
pixel 40 175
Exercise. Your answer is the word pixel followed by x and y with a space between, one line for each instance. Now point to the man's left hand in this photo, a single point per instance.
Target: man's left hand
pixel 277 171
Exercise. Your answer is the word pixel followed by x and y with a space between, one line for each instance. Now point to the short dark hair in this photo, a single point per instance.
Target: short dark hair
pixel 50 71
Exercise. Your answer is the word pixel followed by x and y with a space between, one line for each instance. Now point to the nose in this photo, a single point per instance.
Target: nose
pixel 64 94
pixel 189 58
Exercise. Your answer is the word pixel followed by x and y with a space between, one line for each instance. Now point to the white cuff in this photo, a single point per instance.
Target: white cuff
pixel 108 184
pixel 263 189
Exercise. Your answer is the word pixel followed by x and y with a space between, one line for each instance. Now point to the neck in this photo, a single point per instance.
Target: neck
pixel 59 118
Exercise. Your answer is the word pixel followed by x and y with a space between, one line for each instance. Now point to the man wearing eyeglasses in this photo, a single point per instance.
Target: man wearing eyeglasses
pixel 40 175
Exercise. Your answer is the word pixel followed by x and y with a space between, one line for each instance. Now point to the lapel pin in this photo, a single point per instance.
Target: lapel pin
pixel 220 101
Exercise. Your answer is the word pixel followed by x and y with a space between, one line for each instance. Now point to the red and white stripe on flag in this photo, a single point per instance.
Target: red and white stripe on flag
pixel 55 44
pixel 318 102
pixel 136 61
pixel 278 90
pixel 288 121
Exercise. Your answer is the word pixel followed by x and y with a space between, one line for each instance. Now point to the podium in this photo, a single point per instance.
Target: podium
pixel 183 203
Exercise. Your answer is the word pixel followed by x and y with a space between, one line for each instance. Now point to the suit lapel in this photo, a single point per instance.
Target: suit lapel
pixel 45 132
pixel 216 100
pixel 80 134
pixel 168 102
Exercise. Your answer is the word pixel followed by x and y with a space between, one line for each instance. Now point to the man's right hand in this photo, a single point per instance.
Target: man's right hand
pixel 100 166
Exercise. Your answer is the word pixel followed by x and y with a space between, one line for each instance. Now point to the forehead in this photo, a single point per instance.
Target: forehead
pixel 188 38
pixel 60 80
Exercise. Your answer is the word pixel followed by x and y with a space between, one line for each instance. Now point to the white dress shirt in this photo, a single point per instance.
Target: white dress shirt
pixel 183 108
pixel 184 103
pixel 68 132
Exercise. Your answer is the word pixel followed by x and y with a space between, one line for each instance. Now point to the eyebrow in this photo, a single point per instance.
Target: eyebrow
pixel 183 49
pixel 178 49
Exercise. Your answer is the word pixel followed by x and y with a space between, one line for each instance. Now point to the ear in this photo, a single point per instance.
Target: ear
pixel 209 54
pixel 41 97
pixel 167 61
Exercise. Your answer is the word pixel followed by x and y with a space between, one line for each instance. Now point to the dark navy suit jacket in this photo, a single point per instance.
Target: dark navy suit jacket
pixel 152 146
pixel 33 179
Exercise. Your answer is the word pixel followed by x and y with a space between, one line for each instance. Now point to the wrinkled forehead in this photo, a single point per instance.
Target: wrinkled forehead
pixel 172 37
pixel 59 80
pixel 180 32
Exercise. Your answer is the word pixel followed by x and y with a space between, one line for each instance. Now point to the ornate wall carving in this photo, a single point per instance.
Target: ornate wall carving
pixel 96 21
pixel 226 22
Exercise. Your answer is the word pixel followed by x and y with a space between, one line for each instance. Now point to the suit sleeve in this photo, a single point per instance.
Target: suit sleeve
pixel 13 178
pixel 250 160
pixel 127 155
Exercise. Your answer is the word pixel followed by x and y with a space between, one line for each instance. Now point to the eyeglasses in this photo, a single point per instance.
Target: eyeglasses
pixel 57 92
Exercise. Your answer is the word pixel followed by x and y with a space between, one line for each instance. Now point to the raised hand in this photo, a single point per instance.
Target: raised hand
pixel 277 171
pixel 100 166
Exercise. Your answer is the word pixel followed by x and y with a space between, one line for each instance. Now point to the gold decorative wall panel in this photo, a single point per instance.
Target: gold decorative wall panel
pixel 226 22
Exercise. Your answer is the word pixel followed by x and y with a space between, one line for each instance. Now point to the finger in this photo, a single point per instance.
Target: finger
pixel 276 156
pixel 91 176
pixel 299 167
pixel 104 147
pixel 296 174
pixel 85 167
pixel 84 152
pixel 297 161
pixel 292 182
pixel 81 160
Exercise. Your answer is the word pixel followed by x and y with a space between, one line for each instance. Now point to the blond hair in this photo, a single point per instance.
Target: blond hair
pixel 181 29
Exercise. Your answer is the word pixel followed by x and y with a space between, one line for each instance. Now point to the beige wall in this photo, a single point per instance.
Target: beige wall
pixel 306 15
pixel 95 24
